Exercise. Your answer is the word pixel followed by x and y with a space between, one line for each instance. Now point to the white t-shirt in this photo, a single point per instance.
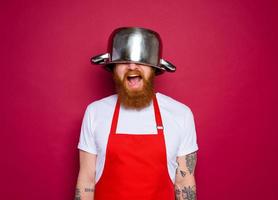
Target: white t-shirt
pixel 177 118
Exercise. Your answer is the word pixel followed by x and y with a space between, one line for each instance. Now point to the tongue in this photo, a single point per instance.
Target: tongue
pixel 134 80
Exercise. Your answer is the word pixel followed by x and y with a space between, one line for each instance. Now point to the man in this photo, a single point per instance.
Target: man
pixel 137 144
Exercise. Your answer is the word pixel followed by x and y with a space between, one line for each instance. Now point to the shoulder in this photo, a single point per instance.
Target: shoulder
pixel 105 103
pixel 175 112
pixel 171 105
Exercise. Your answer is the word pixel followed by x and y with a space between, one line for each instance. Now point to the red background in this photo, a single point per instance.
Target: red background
pixel 225 52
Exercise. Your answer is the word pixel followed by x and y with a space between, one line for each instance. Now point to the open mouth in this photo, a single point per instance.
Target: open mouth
pixel 134 79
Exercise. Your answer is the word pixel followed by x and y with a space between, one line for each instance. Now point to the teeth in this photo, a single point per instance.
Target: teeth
pixel 134 75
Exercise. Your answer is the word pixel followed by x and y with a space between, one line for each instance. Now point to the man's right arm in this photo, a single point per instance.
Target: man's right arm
pixel 86 178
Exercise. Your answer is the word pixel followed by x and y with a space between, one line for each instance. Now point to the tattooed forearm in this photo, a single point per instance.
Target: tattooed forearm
pixel 77 194
pixel 185 193
pixel 189 193
pixel 191 162
pixel 185 185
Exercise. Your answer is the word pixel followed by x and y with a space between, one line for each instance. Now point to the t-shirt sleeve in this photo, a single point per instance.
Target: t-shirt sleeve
pixel 87 139
pixel 189 139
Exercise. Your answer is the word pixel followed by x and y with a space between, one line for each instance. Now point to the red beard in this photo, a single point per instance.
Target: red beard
pixel 136 99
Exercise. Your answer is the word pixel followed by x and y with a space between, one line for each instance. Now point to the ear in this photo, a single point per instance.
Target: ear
pixel 110 67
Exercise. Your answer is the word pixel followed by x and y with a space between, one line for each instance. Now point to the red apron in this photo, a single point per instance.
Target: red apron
pixel 136 165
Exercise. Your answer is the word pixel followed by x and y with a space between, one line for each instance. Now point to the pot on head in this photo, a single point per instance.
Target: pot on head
pixel 134 45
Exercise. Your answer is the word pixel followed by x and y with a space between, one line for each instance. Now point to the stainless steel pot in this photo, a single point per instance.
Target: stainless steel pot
pixel 134 45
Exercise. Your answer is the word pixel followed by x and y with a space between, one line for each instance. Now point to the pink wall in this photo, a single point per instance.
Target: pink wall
pixel 226 57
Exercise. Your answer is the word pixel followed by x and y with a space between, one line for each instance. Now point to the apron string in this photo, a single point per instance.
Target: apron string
pixel 158 118
pixel 115 117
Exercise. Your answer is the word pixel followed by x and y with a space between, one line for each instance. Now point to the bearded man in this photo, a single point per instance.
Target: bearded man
pixel 137 144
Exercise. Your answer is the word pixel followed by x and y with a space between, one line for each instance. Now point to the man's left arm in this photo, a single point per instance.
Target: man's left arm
pixel 185 186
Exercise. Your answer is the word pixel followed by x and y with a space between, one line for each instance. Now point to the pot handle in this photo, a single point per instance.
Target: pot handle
pixel 100 59
pixel 169 67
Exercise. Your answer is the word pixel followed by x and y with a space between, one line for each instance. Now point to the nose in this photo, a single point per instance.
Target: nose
pixel 132 66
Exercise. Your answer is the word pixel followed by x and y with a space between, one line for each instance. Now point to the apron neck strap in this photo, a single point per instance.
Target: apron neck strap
pixel 159 125
pixel 158 118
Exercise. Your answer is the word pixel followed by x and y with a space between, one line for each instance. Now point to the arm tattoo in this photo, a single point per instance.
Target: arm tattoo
pixel 189 193
pixel 77 194
pixel 186 193
pixel 183 173
pixel 191 162
pixel 89 190
pixel 177 193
